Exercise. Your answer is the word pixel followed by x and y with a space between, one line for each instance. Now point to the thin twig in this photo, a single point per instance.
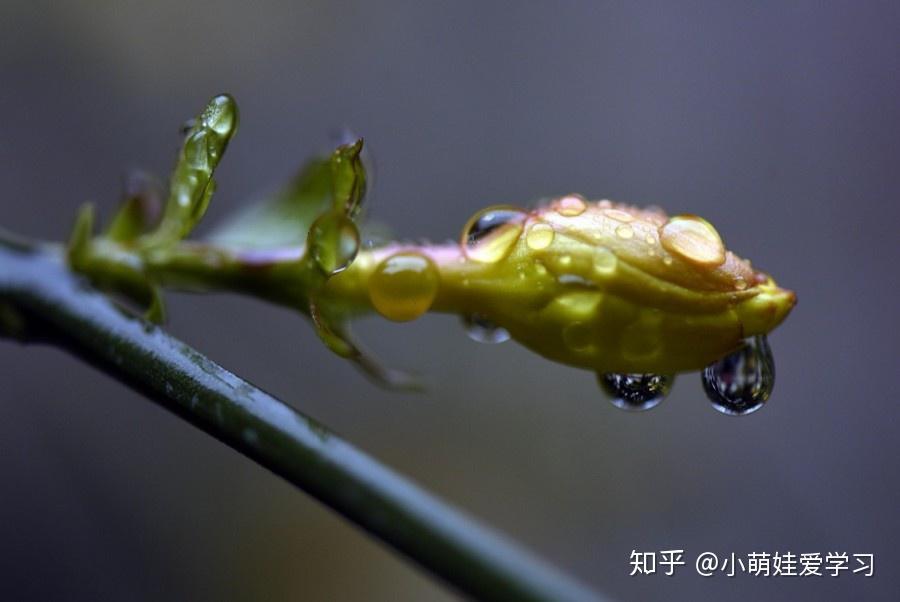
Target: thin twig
pixel 41 300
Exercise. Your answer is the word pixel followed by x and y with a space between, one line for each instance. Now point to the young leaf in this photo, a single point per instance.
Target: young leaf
pixel 283 220
pixel 192 183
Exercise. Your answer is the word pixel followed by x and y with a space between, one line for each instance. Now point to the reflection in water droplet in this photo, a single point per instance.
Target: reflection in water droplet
pixel 570 206
pixel 741 382
pixel 693 239
pixel 333 241
pixel 539 236
pixel 624 231
pixel 492 233
pixel 740 284
pixel 483 330
pixel 636 392
pixel 404 286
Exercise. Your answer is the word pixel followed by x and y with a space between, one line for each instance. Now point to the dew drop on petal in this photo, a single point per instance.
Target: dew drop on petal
pixel 570 206
pixel 635 392
pixel 605 261
pixel 624 231
pixel 693 239
pixel 539 236
pixel 482 330
pixel 619 215
pixel 492 233
pixel 742 382
pixel 404 286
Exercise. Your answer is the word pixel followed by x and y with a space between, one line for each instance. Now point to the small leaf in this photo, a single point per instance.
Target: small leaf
pixel 284 219
pixel 140 208
pixel 192 185
pixel 335 332
pixel 82 232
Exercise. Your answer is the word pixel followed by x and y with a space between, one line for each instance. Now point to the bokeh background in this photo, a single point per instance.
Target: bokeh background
pixel 779 122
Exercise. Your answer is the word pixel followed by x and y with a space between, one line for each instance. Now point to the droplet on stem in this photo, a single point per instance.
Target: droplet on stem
pixel 404 286
pixel 333 241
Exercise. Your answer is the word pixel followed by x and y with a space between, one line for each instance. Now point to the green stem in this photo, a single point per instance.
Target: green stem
pixel 43 301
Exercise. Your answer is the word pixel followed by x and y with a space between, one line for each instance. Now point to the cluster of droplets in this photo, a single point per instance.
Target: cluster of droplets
pixel 738 384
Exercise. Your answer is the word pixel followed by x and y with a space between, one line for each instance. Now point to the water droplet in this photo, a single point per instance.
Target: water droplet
pixel 693 239
pixel 333 241
pixel 635 392
pixel 667 260
pixel 741 382
pixel 740 284
pixel 570 206
pixel 404 286
pixel 619 215
pixel 220 115
pixel 649 239
pixel 492 233
pixel 624 231
pixel 483 330
pixel 539 236
pixel 604 261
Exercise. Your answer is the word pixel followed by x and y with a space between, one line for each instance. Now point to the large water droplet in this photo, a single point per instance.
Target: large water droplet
pixel 404 286
pixel 492 233
pixel 635 392
pixel 333 241
pixel 482 330
pixel 741 383
pixel 624 231
pixel 693 239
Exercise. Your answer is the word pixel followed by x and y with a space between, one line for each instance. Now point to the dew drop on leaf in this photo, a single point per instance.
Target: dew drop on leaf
pixel 742 382
pixel 482 330
pixel 492 233
pixel 635 392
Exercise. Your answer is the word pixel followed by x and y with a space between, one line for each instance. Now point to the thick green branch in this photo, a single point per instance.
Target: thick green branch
pixel 41 300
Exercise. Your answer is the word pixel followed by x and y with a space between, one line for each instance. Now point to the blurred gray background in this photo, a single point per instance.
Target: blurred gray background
pixel 778 122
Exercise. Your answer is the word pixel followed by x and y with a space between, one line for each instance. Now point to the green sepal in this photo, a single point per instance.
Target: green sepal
pixel 284 219
pixel 348 177
pixel 82 233
pixel 191 185
pixel 140 208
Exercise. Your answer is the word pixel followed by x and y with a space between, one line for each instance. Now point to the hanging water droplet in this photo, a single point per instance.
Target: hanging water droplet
pixel 404 286
pixel 482 330
pixel 635 392
pixel 492 233
pixel 333 241
pixel 741 383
